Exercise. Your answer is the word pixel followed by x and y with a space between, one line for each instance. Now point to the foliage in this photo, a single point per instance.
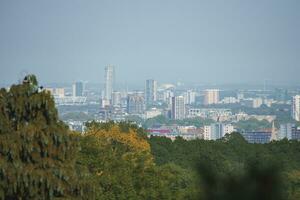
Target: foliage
pixel 123 167
pixel 252 125
pixel 37 151
pixel 231 168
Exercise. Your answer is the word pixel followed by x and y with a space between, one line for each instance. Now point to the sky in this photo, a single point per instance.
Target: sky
pixel 220 41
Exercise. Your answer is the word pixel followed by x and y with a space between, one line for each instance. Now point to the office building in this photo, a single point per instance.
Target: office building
pixel 211 96
pixel 296 107
pixel 109 82
pixel 189 97
pixel 150 91
pixel 257 102
pixel 261 137
pixel 78 89
pixel 116 99
pixel 286 131
pixel 217 130
pixel 178 107
pixel 135 104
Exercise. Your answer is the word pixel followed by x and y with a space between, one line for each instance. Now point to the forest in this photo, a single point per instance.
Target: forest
pixel 40 158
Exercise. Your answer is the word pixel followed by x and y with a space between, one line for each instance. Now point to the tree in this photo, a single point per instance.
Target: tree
pixel 37 151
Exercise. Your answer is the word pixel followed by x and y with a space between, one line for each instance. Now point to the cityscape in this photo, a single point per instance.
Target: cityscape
pixel 150 100
pixel 223 111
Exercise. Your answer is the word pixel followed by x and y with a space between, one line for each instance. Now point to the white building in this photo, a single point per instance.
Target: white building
pixel 178 107
pixel 229 100
pixel 189 97
pixel 211 96
pixel 109 82
pixel 257 102
pixel 217 131
pixel 152 113
pixel 296 107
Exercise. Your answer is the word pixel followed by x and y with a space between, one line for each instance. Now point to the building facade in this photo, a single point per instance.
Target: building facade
pixel 178 107
pixel 217 130
pixel 135 104
pixel 150 91
pixel 78 89
pixel 296 107
pixel 109 82
pixel 211 96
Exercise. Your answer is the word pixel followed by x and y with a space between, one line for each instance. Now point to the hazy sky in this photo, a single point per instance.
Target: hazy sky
pixel 221 41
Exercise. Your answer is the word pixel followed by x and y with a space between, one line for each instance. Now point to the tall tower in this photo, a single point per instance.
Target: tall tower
pixel 150 91
pixel 109 82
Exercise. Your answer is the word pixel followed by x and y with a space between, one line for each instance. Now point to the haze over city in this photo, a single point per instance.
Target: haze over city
pixel 170 41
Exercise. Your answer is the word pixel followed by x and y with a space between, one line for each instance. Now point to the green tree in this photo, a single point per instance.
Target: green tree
pixel 37 151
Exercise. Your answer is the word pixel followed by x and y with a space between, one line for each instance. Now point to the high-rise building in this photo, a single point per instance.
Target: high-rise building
pixel 296 108
pixel 135 104
pixel 116 98
pixel 211 96
pixel 109 82
pixel 286 131
pixel 78 89
pixel 190 97
pixel 217 130
pixel 257 102
pixel 178 107
pixel 150 91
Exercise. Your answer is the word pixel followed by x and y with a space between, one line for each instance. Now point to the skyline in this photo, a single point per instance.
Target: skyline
pixel 197 42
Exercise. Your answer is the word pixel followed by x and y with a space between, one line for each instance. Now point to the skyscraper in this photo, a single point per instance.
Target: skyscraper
pixel 178 107
pixel 109 82
pixel 150 91
pixel 190 97
pixel 211 96
pixel 135 104
pixel 78 89
pixel 296 108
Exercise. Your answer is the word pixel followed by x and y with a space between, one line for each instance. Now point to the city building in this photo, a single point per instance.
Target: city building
pixel 211 96
pixel 296 107
pixel 116 99
pixel 286 131
pixel 178 107
pixel 109 82
pixel 217 130
pixel 189 97
pixel 152 113
pixel 135 104
pixel 261 137
pixel 56 92
pixel 257 102
pixel 150 91
pixel 78 89
pixel 229 100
